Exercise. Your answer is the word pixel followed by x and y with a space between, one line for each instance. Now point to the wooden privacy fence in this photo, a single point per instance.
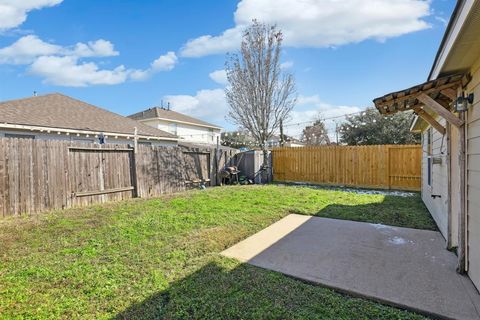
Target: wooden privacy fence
pixel 39 175
pixel 383 166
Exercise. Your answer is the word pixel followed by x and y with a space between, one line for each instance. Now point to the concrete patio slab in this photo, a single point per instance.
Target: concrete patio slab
pixel 403 267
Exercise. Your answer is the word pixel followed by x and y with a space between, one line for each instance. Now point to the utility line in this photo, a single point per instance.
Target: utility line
pixel 323 119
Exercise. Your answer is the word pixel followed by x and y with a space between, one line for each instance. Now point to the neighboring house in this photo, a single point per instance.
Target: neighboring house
pixel 294 143
pixel 275 142
pixel 185 127
pixel 58 117
pixel 448 117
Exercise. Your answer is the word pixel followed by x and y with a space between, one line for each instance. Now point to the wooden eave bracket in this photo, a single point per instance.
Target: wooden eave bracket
pixel 430 120
pixel 430 104
pixel 449 93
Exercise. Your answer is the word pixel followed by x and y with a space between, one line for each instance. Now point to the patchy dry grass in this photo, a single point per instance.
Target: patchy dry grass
pixel 159 258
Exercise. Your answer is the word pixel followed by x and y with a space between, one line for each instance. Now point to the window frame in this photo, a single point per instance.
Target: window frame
pixel 173 128
pixel 430 156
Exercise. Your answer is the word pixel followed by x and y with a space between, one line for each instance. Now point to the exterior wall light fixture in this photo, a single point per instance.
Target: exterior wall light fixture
pixel 462 103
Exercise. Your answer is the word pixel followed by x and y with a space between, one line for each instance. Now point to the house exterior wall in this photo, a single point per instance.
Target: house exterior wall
pixel 274 142
pixel 435 195
pixel 455 185
pixel 473 176
pixel 81 138
pixel 294 145
pixel 189 133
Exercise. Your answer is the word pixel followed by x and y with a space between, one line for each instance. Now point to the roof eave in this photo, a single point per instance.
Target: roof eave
pixel 179 121
pixel 47 129
pixel 460 13
pixel 404 100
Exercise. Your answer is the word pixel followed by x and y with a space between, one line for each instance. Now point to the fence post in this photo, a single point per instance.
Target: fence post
pixel 133 165
pixel 387 166
pixel 133 173
pixel 216 168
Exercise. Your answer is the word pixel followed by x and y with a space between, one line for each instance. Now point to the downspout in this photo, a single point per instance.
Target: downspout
pixel 450 191
pixel 462 243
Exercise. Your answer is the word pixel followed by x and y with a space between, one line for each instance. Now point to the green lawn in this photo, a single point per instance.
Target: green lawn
pixel 144 259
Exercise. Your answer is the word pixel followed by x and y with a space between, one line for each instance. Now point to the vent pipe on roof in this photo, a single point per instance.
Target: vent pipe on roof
pixel 162 105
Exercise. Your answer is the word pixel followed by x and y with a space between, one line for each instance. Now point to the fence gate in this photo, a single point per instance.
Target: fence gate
pixel 197 166
pixel 404 169
pixel 100 174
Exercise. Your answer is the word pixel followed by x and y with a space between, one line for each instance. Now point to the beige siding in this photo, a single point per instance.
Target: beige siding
pixel 455 185
pixel 473 178
pixel 437 206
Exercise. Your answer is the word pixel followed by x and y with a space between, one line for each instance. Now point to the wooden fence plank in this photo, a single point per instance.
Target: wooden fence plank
pixel 383 167
pixel 39 175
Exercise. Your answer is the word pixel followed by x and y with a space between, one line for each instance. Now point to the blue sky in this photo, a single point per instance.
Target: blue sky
pixel 126 55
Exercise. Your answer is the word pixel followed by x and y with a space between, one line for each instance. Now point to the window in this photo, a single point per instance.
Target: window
pixel 429 155
pixel 211 134
pixel 19 136
pixel 172 128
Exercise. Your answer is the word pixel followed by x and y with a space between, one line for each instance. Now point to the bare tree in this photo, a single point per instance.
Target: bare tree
pixel 259 94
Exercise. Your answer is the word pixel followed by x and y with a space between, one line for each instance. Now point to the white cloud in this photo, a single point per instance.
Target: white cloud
pixel 319 23
pixel 26 49
pixel 140 75
pixel 286 65
pixel 99 48
pixel 14 12
pixel 229 40
pixel 64 65
pixel 309 100
pixel 210 105
pixel 166 62
pixel 313 108
pixel 219 76
pixel 60 65
pixel 68 71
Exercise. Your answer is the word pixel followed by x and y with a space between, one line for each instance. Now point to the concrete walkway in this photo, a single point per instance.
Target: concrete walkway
pixel 403 267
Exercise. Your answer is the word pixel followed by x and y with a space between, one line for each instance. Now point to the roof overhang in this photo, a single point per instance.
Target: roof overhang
pixel 459 49
pixel 182 122
pixel 44 129
pixel 428 100
pixel 408 99
pixel 460 46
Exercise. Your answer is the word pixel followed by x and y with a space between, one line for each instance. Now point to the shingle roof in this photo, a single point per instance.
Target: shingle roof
pixel 157 112
pixel 59 111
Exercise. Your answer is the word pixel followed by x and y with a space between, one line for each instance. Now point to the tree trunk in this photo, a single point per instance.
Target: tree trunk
pixel 265 166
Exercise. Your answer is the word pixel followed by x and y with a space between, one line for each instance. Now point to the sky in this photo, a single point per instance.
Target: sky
pixel 127 55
